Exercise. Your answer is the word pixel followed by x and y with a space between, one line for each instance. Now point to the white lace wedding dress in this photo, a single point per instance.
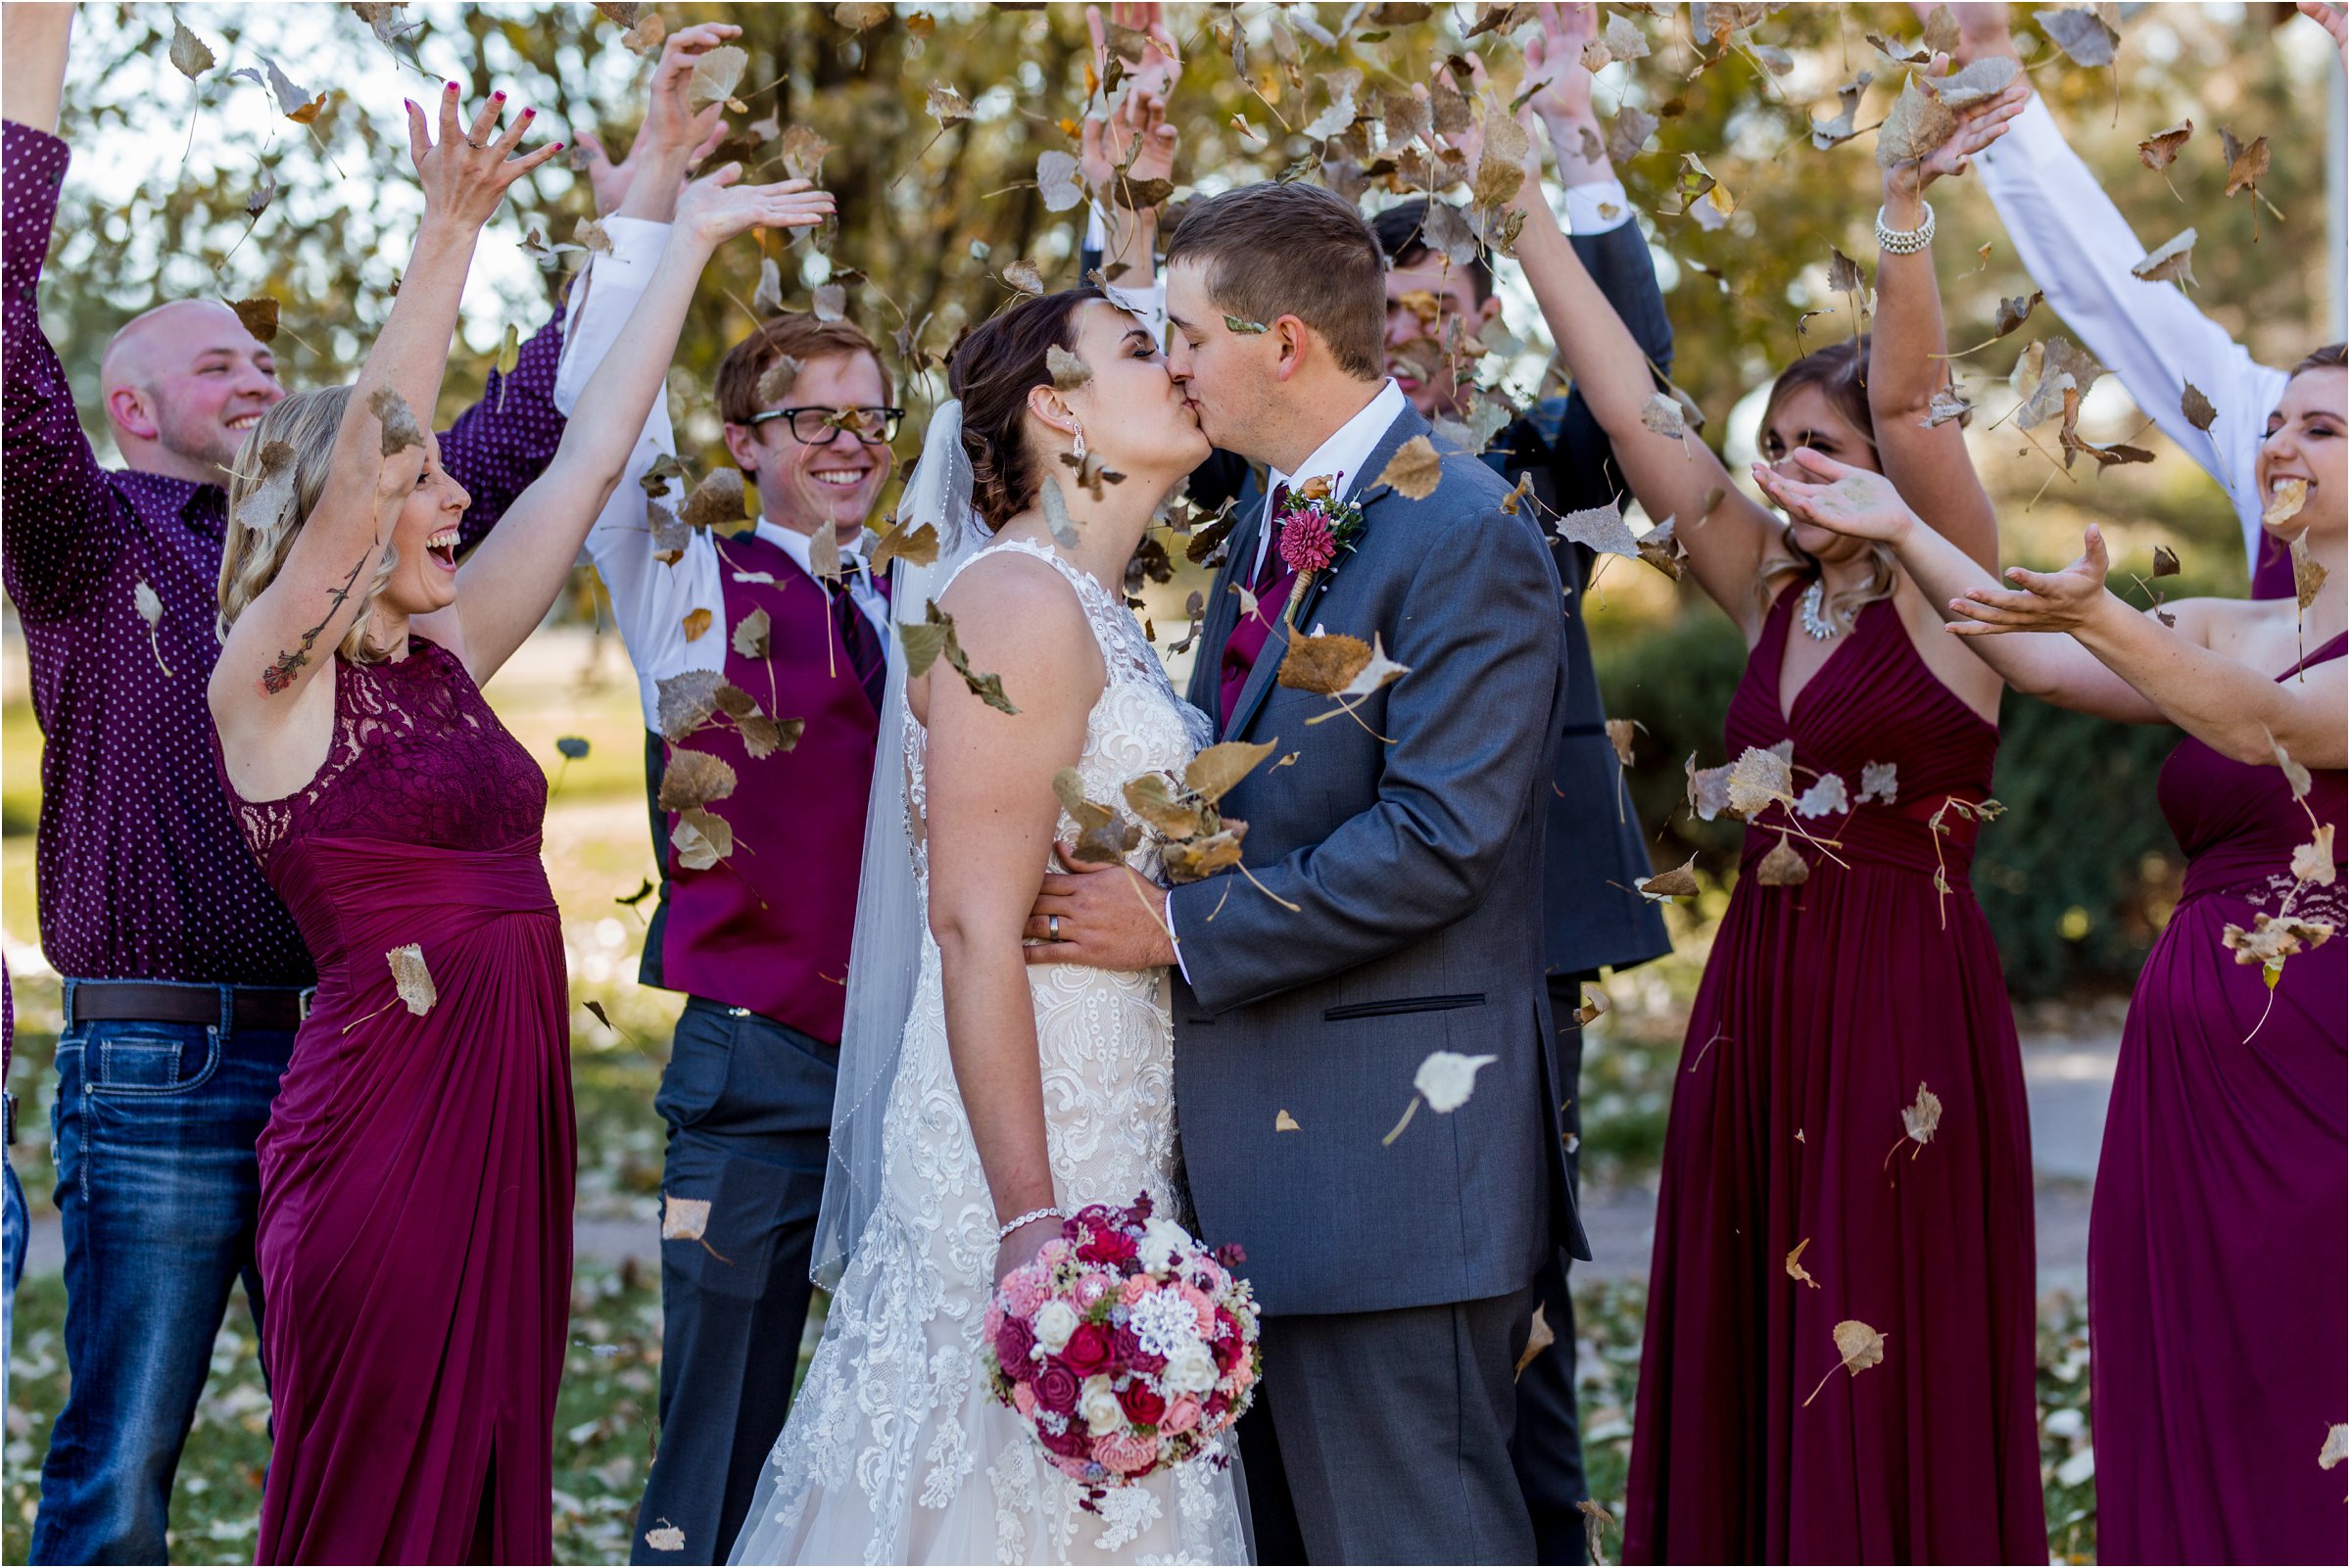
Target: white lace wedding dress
pixel 895 1451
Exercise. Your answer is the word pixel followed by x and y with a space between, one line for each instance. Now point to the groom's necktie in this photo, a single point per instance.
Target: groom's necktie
pixel 867 660
pixel 1270 585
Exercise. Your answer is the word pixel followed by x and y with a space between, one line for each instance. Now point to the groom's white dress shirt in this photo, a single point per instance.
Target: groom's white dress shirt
pixel 651 601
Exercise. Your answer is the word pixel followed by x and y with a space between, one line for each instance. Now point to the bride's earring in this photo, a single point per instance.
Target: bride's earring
pixel 1080 444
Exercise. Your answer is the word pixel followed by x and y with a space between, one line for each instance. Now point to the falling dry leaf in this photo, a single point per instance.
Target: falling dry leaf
pixel 1758 778
pixel 2081 34
pixel 684 1218
pixel 1284 1122
pixel 1825 798
pixel 1860 1347
pixel 1024 275
pixel 716 501
pixel 1416 469
pixel 1827 134
pixel 1679 882
pixel 697 622
pixel 1661 548
pixel 1066 370
pixel 716 74
pixel 1322 664
pixel 1917 123
pixel 2166 561
pixel 1619 736
pixel 669 1538
pixel 1922 1115
pixel 399 428
pixel 151 610
pixel 2171 262
pixel 2196 407
pixel 2286 498
pixel 775 381
pixel 694 779
pixel 258 316
pixel 1629 134
pixel 859 15
pixel 2160 150
pixel 1879 781
pixel 2312 862
pixel 2336 1446
pixel 1794 1265
pixel 1982 78
pixel 946 106
pixel 1595 1006
pixel 1598 528
pixel 919 547
pixel 1595 1523
pixel 412 980
pixel 1783 867
pixel 191 57
pixel 1213 773
pixel 1502 168
pixel 2308 575
pixel 2246 164
pixel 1664 415
pixel 1540 1337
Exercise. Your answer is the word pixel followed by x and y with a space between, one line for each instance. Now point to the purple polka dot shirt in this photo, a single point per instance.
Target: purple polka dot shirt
pixel 141 871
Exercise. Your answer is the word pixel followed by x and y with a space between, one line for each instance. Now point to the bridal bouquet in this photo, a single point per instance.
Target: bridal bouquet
pixel 1126 1345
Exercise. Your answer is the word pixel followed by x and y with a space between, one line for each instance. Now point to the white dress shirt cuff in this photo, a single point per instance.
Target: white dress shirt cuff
pixel 1167 913
pixel 1597 207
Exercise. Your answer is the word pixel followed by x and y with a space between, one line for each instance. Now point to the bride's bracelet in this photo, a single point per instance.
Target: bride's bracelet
pixel 1031 1217
pixel 1906 242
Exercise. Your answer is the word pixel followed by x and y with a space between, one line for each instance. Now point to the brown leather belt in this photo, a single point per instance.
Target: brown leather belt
pixel 145 1002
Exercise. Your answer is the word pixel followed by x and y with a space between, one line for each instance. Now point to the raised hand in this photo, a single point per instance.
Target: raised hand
pixel 1983 29
pixel 2047 602
pixel 1555 62
pixel 1137 133
pixel 714 209
pixel 1980 123
pixel 465 174
pixel 2335 20
pixel 673 135
pixel 1837 498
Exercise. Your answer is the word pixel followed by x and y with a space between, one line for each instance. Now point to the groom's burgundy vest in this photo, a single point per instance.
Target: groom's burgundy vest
pixel 767 927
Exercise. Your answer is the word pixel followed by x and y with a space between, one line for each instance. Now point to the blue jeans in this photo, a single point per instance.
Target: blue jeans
pixel 12 1268
pixel 158 1186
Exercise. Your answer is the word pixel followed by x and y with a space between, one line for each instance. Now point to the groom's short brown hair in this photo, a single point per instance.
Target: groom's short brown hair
pixel 1275 250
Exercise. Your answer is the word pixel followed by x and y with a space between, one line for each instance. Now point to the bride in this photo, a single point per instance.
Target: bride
pixel 1013 1094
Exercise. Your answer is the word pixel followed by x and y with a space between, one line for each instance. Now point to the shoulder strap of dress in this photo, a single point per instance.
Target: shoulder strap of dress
pixel 2332 649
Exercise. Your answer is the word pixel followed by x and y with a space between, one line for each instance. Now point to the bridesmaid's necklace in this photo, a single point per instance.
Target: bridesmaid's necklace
pixel 1816 626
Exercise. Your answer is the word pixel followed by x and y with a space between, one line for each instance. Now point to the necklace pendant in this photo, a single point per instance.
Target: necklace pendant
pixel 1816 626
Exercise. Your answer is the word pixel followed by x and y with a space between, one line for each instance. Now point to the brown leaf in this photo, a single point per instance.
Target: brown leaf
pixel 768 297
pixel 802 151
pixel 2312 862
pixel 260 317
pixel 2081 34
pixel 2171 262
pixel 702 838
pixel 764 737
pixel 2273 939
pixel 752 636
pixel 2296 777
pixel 1709 789
pixel 1024 276
pixel 1416 469
pixel 859 15
pixel 1783 867
pixel 1861 1345
pixel 1832 133
pixel 1982 78
pixel 399 428
pixel 1629 134
pixel 1284 1122
pixel 716 501
pixel 412 980
pixel 1758 778
pixel 1213 773
pixel 1922 1115
pixel 2196 407
pixel 829 302
pixel 1794 1265
pixel 647 36
pixel 1661 548
pixel 191 57
pixel 1595 1522
pixel 695 778
pixel 1540 1337
pixel 1502 168
pixel 1066 370
pixel 716 75
pixel 2308 575
pixel 2286 498
pixel 1679 882
pixel 2160 150
pixel 669 1536
pixel 683 1220
pixel 697 622
pixel 1843 274
pixel 1598 528
pixel 2014 310
pixel 1325 665
pixel 2336 1446
pixel 775 381
pixel 1947 404
pixel 1197 859
pixel 1103 838
pixel 1595 1006
pixel 687 701
pixel 919 547
pixel 2246 164
pixel 946 106
pixel 1619 736
pixel 1918 123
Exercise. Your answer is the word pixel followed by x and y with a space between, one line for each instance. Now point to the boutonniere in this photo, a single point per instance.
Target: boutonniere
pixel 1318 531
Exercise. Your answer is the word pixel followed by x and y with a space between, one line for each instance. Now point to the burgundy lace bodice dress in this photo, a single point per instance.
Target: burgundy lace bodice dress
pixel 1824 1006
pixel 417 1173
pixel 2217 1261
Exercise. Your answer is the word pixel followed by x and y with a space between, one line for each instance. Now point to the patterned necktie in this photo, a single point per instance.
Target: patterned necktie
pixel 867 659
pixel 1269 570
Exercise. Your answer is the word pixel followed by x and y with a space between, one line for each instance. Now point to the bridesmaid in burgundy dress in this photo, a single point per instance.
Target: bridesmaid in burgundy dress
pixel 2217 1253
pixel 417 1173
pixel 1853 986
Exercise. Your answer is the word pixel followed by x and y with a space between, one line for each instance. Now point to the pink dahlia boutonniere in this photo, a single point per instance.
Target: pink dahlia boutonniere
pixel 1318 531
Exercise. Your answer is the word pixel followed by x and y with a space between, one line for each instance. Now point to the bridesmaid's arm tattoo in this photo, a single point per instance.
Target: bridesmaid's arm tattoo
pixel 279 676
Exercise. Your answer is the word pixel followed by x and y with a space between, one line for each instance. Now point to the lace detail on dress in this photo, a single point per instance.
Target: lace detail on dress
pixel 894 1451
pixel 417 755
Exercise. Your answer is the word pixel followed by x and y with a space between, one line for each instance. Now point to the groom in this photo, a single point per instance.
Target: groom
pixel 1397 912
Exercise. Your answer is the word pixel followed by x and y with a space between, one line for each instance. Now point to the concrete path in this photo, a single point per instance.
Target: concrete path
pixel 2067 1080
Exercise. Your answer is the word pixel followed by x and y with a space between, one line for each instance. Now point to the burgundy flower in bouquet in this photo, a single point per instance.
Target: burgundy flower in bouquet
pixel 1126 1345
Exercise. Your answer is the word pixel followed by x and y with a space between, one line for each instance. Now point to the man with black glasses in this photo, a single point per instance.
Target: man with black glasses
pixel 761 653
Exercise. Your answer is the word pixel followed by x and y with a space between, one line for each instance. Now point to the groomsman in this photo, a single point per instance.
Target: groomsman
pixel 755 930
pixel 183 973
pixel 1592 919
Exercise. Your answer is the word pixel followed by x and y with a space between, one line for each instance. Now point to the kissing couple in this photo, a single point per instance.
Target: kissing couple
pixel 1024 1024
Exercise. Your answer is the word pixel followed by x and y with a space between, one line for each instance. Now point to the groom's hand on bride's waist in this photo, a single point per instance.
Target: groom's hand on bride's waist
pixel 1103 916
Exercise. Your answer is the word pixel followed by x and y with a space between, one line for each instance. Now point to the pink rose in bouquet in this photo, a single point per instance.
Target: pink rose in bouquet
pixel 1126 1345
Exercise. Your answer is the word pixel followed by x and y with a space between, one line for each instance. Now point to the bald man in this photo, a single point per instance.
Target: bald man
pixel 183 973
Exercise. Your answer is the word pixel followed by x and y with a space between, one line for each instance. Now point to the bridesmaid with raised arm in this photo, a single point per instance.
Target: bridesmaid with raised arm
pixel 1852 987
pixel 2216 1247
pixel 416 1173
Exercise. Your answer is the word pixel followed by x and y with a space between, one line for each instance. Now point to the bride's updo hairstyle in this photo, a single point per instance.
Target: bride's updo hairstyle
pixel 991 373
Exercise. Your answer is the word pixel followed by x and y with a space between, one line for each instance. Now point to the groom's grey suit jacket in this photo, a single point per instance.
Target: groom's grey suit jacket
pixel 1415 863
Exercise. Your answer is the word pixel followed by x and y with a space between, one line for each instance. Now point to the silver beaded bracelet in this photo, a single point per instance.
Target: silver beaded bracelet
pixel 1031 1217
pixel 1906 242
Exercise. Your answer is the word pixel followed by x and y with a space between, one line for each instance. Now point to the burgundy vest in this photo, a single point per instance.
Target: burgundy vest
pixel 768 928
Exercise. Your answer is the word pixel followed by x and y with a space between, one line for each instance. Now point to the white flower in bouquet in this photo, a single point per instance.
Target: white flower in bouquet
pixel 1447 1078
pixel 1164 1322
pixel 1097 1402
pixel 1162 1240
pixel 1055 1322
pixel 1191 1370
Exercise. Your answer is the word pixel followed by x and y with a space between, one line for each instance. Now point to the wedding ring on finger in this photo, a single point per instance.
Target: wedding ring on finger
pixel 1052 927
